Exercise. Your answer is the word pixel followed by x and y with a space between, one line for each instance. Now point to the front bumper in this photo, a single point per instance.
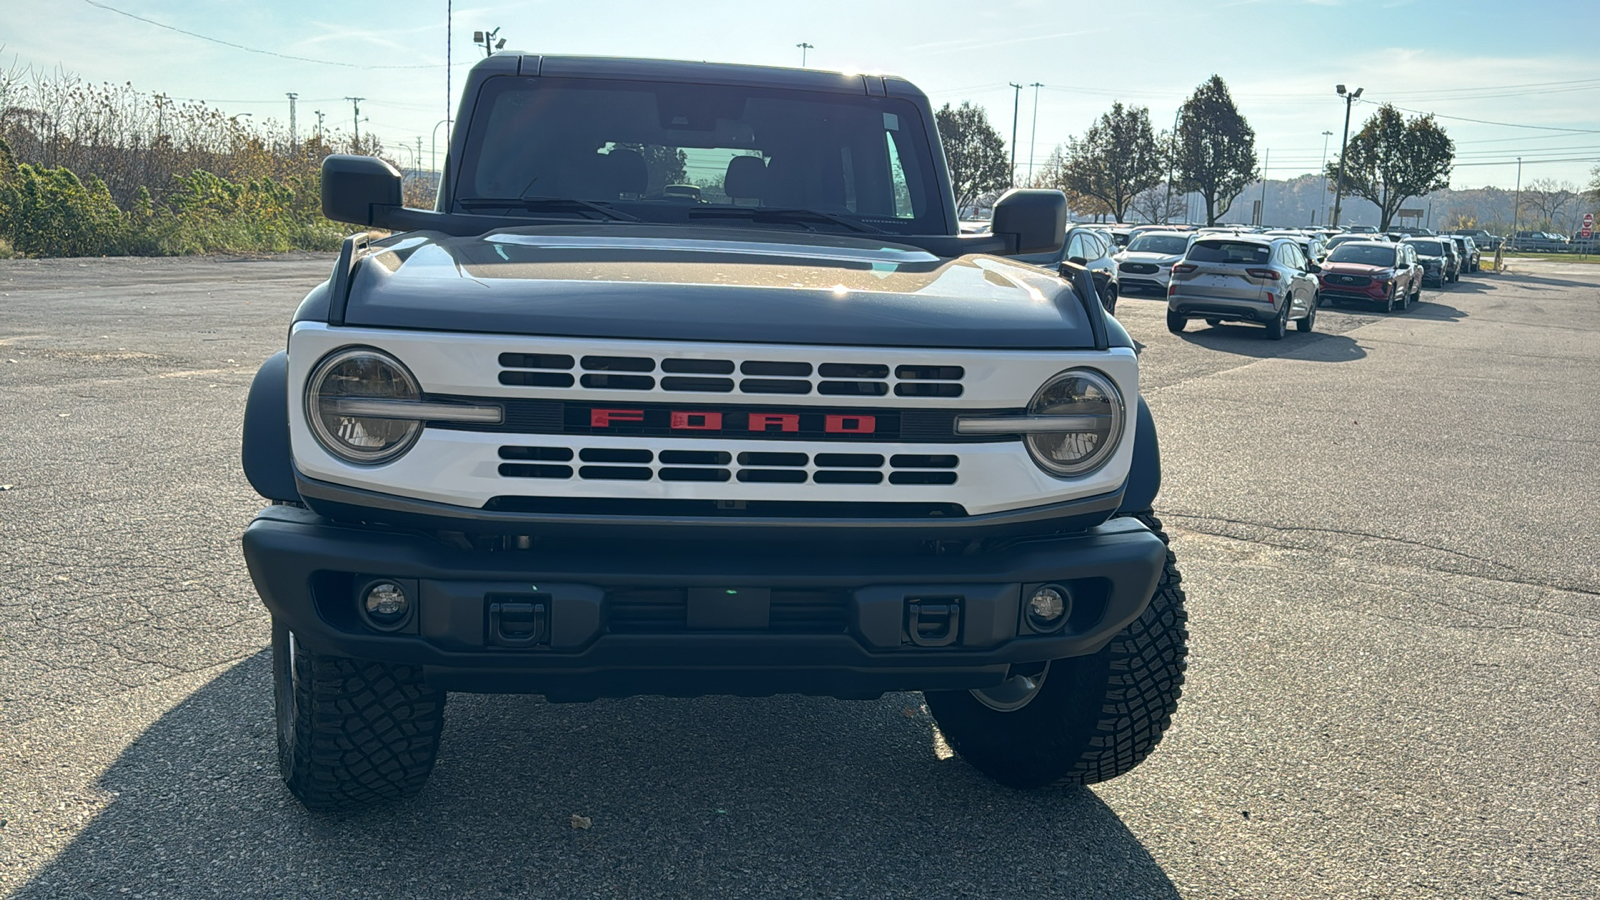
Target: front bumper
pixel 624 618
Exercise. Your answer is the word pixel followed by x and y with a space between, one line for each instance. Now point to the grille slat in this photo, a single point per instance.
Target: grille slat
pixel 552 370
pixel 713 466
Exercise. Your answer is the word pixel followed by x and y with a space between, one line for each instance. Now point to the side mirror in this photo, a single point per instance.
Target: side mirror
pixel 1077 260
pixel 359 189
pixel 1035 219
pixel 1313 268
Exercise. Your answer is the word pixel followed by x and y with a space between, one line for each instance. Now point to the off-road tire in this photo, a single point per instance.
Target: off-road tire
pixel 351 731
pixel 1094 717
pixel 1309 321
pixel 1176 323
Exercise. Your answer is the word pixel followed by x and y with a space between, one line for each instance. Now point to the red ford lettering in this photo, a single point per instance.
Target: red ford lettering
pixel 605 418
pixel 696 421
pixel 850 425
pixel 783 421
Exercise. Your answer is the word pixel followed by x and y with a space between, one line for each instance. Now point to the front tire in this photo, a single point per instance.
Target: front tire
pixel 351 731
pixel 1081 720
pixel 1110 301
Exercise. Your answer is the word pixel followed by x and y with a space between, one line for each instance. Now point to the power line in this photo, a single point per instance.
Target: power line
pixel 1421 112
pixel 323 62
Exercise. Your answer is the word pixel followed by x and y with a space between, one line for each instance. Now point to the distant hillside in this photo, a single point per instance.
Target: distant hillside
pixel 1301 201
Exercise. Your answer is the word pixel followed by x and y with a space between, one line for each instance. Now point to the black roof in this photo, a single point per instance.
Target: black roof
pixel 677 70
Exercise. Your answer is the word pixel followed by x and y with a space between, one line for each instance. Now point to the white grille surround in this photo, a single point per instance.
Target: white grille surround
pixel 464 468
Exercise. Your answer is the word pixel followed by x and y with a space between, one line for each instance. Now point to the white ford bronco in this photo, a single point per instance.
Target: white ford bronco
pixel 689 384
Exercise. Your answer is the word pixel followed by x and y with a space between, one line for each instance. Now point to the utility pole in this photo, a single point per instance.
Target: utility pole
pixel 355 103
pixel 292 97
pixel 803 48
pixel 161 115
pixel 1016 103
pixel 1324 204
pixel 1516 211
pixel 1172 165
pixel 1033 139
pixel 319 123
pixel 449 19
pixel 1344 144
pixel 1266 157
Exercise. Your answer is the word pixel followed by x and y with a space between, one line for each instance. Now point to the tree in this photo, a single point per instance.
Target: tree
pixel 1390 160
pixel 973 150
pixel 1547 198
pixel 1115 159
pixel 1052 176
pixel 1158 204
pixel 1216 148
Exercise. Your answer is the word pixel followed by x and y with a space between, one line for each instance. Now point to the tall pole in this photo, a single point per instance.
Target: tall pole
pixel 1016 103
pixel 1172 164
pixel 1323 215
pixel 803 48
pixel 1516 211
pixel 449 21
pixel 1266 157
pixel 320 116
pixel 1033 140
pixel 292 97
pixel 355 103
pixel 1344 144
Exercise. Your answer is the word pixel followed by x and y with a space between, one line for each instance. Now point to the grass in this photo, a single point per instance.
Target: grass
pixel 1587 258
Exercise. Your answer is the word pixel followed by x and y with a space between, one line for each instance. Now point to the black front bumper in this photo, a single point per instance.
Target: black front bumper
pixel 629 617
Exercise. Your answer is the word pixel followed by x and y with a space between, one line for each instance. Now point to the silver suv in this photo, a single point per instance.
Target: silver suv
pixel 1244 278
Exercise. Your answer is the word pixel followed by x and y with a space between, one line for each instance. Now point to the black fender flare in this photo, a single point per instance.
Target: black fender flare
pixel 1144 476
pixel 265 452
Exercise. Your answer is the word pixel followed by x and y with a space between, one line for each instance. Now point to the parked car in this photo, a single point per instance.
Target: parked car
pixel 1484 240
pixel 1361 229
pixel 1372 272
pixel 1092 247
pixel 1311 245
pixel 1147 262
pixel 1244 278
pixel 1471 256
pixel 1338 239
pixel 1539 242
pixel 1436 260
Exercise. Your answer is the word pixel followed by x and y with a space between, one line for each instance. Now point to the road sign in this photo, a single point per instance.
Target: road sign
pixel 1588 226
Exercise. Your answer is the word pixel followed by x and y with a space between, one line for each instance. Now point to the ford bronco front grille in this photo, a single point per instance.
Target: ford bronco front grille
pixel 752 467
pixel 726 376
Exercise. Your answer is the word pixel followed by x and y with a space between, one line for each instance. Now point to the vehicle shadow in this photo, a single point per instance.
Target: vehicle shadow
pixel 1250 340
pixel 784 797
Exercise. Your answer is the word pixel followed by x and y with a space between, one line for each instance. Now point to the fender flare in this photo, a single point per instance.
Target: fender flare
pixel 1144 476
pixel 265 452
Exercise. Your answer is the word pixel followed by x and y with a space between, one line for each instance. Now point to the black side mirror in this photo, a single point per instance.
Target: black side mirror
pixel 1035 219
pixel 1313 268
pixel 360 190
pixel 1077 260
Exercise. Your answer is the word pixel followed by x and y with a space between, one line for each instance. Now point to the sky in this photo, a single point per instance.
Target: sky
pixel 1505 79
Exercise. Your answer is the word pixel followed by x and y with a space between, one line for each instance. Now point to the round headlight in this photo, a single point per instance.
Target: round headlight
pixel 1095 408
pixel 361 373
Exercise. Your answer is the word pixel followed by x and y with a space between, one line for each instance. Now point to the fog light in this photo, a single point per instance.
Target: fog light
pixel 1048 607
pixel 385 604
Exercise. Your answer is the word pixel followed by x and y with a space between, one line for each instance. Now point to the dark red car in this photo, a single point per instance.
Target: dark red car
pixel 1372 272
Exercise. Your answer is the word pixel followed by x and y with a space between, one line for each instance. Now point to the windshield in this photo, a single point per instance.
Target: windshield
pixel 1229 252
pixel 1427 248
pixel 1362 254
pixel 665 152
pixel 1166 244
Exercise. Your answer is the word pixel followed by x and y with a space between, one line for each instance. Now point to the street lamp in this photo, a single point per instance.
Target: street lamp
pixel 1323 215
pixel 1016 101
pixel 803 48
pixel 486 40
pixel 434 144
pixel 1344 144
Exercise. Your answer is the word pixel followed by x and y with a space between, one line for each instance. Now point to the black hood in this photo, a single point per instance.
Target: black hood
pixel 711 284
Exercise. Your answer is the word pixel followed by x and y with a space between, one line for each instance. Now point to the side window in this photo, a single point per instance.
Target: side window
pixel 1075 246
pixel 897 180
pixel 1094 246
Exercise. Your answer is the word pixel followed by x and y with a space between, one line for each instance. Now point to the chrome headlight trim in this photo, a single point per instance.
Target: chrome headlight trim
pixel 1038 425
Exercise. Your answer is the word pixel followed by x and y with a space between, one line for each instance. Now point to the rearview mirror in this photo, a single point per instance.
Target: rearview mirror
pixel 360 190
pixel 1035 219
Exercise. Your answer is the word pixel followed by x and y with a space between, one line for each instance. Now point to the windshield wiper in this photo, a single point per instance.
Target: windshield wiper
pixel 779 215
pixel 551 204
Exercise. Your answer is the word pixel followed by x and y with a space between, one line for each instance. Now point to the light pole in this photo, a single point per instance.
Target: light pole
pixel 1033 139
pixel 433 146
pixel 1016 103
pixel 355 104
pixel 1172 165
pixel 292 97
pixel 1266 159
pixel 1344 144
pixel 1323 215
pixel 803 48
pixel 1516 210
pixel 486 39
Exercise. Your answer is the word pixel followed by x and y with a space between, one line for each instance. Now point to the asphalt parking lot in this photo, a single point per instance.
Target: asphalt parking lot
pixel 1388 534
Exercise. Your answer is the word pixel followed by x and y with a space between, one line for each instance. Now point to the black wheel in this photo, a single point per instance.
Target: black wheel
pixel 1405 299
pixel 1416 293
pixel 351 731
pixel 1176 323
pixel 1081 720
pixel 1310 321
pixel 1109 300
pixel 1279 326
pixel 1388 302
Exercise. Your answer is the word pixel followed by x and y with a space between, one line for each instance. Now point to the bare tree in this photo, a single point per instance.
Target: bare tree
pixel 1547 198
pixel 1159 204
